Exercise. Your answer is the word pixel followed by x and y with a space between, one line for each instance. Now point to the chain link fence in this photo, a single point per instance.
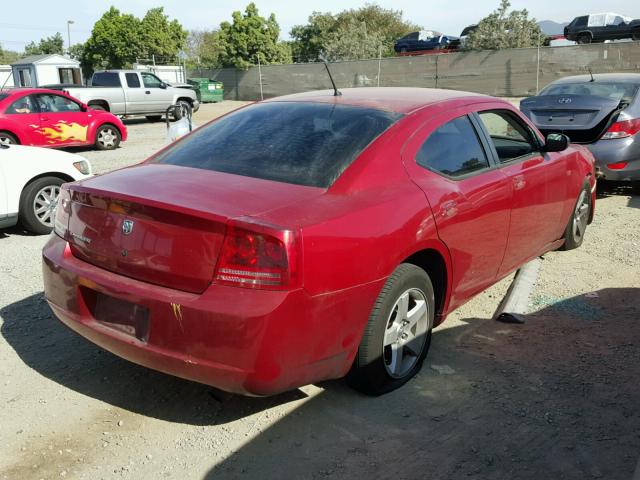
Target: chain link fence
pixel 506 73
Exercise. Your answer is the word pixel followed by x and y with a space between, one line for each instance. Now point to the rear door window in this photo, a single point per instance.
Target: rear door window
pixel 302 143
pixel 453 150
pixel 511 138
pixel 133 81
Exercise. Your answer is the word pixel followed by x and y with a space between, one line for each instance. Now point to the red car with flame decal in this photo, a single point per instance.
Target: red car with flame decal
pixel 49 118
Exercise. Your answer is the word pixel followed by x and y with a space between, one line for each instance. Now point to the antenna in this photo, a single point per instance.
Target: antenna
pixel 336 92
pixel 589 70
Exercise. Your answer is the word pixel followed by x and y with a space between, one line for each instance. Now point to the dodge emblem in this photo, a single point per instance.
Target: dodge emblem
pixel 564 100
pixel 127 227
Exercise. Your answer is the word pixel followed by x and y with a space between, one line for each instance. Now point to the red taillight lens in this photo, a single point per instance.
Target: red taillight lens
pixel 260 258
pixel 63 212
pixel 617 166
pixel 623 129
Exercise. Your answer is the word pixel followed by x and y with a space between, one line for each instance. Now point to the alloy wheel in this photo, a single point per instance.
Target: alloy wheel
pixel 581 216
pixel 406 333
pixel 107 137
pixel 44 204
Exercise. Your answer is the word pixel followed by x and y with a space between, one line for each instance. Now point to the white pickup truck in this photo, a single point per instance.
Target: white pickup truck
pixel 132 92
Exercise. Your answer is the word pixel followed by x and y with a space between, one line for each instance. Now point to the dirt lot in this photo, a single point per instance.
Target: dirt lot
pixel 554 398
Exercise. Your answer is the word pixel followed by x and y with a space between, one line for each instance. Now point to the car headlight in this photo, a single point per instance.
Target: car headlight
pixel 83 167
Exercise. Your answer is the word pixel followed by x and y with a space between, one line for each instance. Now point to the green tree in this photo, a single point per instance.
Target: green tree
pixel 76 51
pixel 160 37
pixel 118 39
pixel 249 37
pixel 114 41
pixel 506 30
pixel 54 44
pixel 204 48
pixel 350 34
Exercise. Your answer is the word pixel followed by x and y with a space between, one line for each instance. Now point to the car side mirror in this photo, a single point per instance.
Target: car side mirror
pixel 163 85
pixel 556 142
pixel 84 108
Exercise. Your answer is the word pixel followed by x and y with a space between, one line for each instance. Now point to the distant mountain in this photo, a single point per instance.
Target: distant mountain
pixel 549 27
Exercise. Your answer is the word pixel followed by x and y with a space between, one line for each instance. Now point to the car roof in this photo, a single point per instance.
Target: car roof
pixel 600 77
pixel 402 100
pixel 28 90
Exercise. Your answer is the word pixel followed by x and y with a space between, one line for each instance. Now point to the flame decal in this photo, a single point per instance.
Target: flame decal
pixel 65 132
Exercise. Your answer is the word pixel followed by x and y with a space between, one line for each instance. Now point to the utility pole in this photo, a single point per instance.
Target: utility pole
pixel 69 23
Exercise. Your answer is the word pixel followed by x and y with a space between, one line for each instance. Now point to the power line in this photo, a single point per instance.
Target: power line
pixel 17 26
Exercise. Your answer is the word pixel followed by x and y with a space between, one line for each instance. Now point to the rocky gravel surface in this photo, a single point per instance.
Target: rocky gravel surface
pixel 554 398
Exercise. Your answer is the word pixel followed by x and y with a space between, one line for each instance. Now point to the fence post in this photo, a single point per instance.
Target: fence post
pixel 260 77
pixel 538 68
pixel 379 62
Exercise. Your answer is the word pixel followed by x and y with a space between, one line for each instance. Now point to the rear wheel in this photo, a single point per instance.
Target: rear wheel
pixel 636 34
pixel 38 203
pixel 107 137
pixel 577 225
pixel 98 107
pixel 398 335
pixel 584 38
pixel 7 138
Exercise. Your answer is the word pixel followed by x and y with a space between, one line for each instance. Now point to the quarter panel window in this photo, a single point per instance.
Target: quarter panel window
pixel 453 150
pixel 22 106
pixel 510 137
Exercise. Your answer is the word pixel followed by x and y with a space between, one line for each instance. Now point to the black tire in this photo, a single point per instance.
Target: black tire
pixel 30 220
pixel 7 138
pixel 584 39
pixel 108 137
pixel 371 371
pixel 183 107
pixel 577 224
pixel 98 107
pixel 635 35
pixel 154 118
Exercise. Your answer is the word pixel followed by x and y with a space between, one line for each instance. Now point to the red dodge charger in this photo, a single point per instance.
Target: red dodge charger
pixel 312 236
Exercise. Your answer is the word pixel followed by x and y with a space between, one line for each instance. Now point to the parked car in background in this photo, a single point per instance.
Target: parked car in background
pixel 49 118
pixel 312 236
pixel 599 27
pixel 600 111
pixel 425 40
pixel 30 181
pixel 133 93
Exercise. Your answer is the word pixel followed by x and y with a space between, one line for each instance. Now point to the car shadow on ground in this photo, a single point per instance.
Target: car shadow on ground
pixel 554 398
pixel 61 355
pixel 557 395
pixel 16 230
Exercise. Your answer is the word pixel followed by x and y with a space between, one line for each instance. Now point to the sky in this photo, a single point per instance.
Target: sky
pixel 30 20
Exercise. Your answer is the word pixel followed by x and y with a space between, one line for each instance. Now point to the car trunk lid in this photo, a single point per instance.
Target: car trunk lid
pixel 165 224
pixel 583 118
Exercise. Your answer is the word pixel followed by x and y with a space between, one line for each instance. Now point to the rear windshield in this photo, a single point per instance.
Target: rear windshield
pixel 105 79
pixel 618 91
pixel 293 142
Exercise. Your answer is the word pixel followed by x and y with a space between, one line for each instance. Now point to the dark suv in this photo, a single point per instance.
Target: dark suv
pixel 600 27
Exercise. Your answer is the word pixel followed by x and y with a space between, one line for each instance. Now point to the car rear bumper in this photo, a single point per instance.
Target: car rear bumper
pixel 254 342
pixel 624 150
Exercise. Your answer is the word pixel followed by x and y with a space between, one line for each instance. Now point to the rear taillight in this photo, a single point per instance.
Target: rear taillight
pixel 617 165
pixel 63 212
pixel 623 129
pixel 259 257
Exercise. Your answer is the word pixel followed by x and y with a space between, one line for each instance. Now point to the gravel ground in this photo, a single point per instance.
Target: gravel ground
pixel 554 398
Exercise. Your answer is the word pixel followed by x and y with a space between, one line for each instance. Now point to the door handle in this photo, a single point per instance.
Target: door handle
pixel 449 209
pixel 147 92
pixel 519 182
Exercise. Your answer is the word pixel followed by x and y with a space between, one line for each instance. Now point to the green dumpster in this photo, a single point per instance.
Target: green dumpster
pixel 207 90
